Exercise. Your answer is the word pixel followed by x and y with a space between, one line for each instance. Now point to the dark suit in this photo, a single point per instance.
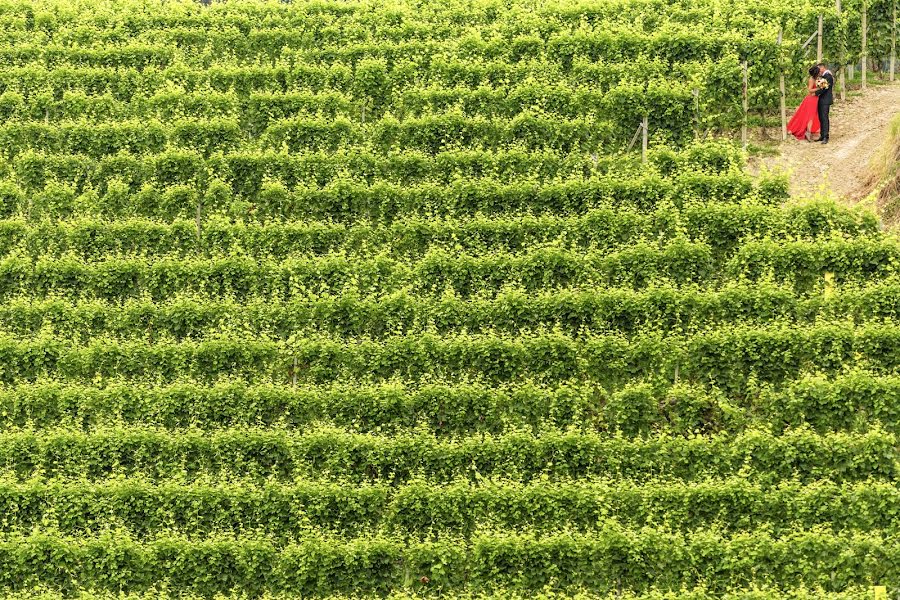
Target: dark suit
pixel 826 99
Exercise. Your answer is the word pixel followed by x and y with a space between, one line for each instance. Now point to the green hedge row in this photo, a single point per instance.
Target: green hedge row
pixel 405 167
pixel 756 592
pixel 347 201
pixel 441 132
pixel 851 402
pixel 439 272
pixel 104 139
pixel 272 454
pixel 729 358
pixel 657 309
pixel 724 227
pixel 612 558
pixel 436 273
pixel 610 41
pixel 804 263
pixel 246 171
pixel 130 55
pixel 431 134
pixel 261 109
pixel 419 508
pixel 362 79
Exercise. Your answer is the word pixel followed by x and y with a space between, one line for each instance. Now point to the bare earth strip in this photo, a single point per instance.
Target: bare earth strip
pixel 858 128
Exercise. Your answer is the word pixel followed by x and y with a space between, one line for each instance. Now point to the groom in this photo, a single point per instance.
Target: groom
pixel 826 99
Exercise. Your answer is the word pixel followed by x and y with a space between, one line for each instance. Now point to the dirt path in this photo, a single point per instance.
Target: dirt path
pixel 839 168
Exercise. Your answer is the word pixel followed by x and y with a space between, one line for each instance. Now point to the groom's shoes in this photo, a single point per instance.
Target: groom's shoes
pixel 824 140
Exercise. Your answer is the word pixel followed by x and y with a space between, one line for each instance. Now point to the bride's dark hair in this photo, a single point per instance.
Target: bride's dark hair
pixel 814 70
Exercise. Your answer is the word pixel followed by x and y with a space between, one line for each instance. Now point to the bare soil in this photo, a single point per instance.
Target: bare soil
pixel 840 168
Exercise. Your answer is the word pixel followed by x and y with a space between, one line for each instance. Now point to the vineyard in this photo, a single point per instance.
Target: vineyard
pixel 379 299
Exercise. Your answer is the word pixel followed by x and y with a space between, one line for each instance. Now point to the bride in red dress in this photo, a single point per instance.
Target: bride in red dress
pixel 805 121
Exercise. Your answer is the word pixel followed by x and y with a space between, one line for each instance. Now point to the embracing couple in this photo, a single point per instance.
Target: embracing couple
pixel 812 114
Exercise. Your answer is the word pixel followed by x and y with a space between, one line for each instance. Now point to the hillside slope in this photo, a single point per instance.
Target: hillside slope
pixel 345 299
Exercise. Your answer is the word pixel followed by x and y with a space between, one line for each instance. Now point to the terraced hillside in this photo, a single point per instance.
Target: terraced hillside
pixel 348 298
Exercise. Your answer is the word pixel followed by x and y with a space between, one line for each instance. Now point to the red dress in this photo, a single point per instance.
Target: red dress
pixel 806 112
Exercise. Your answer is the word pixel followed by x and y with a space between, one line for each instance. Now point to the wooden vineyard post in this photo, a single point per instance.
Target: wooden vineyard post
pixel 852 70
pixel 199 222
pixel 644 139
pixel 783 109
pixel 819 42
pixel 642 132
pixel 893 39
pixel 746 109
pixel 865 54
pixel 782 90
pixel 841 81
pixel 696 92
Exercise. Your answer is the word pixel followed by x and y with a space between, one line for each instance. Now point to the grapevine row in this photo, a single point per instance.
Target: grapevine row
pixel 846 401
pixel 267 454
pixel 438 272
pixel 283 512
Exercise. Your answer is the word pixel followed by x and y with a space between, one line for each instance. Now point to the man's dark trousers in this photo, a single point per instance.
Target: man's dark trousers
pixel 824 123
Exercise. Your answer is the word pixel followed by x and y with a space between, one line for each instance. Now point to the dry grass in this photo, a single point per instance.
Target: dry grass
pixel 882 187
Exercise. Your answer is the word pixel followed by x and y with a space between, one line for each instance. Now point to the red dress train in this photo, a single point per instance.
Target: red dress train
pixel 806 112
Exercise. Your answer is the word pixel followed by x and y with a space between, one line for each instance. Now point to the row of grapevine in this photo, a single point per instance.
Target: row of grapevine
pixel 732 358
pixel 272 454
pixel 724 227
pixel 579 313
pixel 437 272
pixel 286 512
pixel 612 558
pixel 248 170
pixel 845 401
